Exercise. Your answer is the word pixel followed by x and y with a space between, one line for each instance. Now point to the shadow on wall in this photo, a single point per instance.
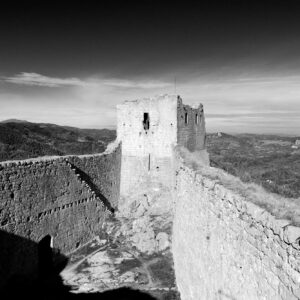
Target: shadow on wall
pixel 84 176
pixel 25 261
pixel 31 270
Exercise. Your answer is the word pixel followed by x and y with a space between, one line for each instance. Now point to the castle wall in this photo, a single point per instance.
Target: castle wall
pixel 102 172
pixel 146 154
pixel 49 196
pixel 191 127
pixel 225 247
pixel 136 141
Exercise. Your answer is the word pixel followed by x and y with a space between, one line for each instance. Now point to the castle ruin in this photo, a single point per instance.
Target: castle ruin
pixel 148 130
pixel 224 245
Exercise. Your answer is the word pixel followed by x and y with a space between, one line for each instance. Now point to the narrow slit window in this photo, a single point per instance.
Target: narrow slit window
pixel 197 119
pixel 186 118
pixel 146 121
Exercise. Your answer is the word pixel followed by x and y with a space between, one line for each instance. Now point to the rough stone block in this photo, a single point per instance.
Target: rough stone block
pixel 291 234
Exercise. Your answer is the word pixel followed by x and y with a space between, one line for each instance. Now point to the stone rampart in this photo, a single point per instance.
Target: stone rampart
pixel 67 198
pixel 226 247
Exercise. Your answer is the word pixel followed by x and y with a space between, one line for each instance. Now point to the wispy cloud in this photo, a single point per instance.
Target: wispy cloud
pixel 35 79
pixel 87 102
pixel 253 102
pixel 136 84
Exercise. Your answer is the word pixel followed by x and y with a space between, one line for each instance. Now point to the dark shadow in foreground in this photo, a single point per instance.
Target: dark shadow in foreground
pixel 31 270
pixel 54 289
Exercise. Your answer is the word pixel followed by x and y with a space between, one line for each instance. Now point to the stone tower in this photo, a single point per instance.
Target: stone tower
pixel 149 129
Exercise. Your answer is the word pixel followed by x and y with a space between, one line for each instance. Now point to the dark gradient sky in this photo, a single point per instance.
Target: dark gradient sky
pixel 71 63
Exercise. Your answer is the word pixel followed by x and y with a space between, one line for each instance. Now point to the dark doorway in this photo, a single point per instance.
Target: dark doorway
pixel 146 121
pixel 45 256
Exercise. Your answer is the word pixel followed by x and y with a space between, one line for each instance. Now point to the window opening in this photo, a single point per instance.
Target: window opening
pixel 186 118
pixel 146 121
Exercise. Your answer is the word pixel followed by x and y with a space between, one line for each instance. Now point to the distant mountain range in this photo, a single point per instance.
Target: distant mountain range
pixel 20 139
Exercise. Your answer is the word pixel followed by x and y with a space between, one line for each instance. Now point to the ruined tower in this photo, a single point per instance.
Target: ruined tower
pixel 149 129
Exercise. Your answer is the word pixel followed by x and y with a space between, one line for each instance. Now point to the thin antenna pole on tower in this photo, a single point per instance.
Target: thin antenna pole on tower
pixel 175 88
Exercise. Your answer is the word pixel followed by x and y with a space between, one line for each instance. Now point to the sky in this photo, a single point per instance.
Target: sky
pixel 71 64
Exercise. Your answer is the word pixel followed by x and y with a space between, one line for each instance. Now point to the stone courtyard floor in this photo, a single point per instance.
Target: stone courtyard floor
pixel 110 263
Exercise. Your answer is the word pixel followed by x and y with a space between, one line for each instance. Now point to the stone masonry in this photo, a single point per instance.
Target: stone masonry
pixel 224 246
pixel 67 198
pixel 149 129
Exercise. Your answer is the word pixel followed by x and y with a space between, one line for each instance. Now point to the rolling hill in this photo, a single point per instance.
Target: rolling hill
pixel 269 160
pixel 21 139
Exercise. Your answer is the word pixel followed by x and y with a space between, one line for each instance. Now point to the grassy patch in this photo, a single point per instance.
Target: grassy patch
pixel 165 295
pixel 162 271
pixel 128 265
pixel 81 267
pixel 269 161
pixel 84 251
pixel 278 206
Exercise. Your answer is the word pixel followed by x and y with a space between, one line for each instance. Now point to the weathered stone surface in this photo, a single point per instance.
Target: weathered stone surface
pixel 48 197
pixel 190 126
pixel 292 233
pixel 223 248
pixel 147 153
pixel 162 240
